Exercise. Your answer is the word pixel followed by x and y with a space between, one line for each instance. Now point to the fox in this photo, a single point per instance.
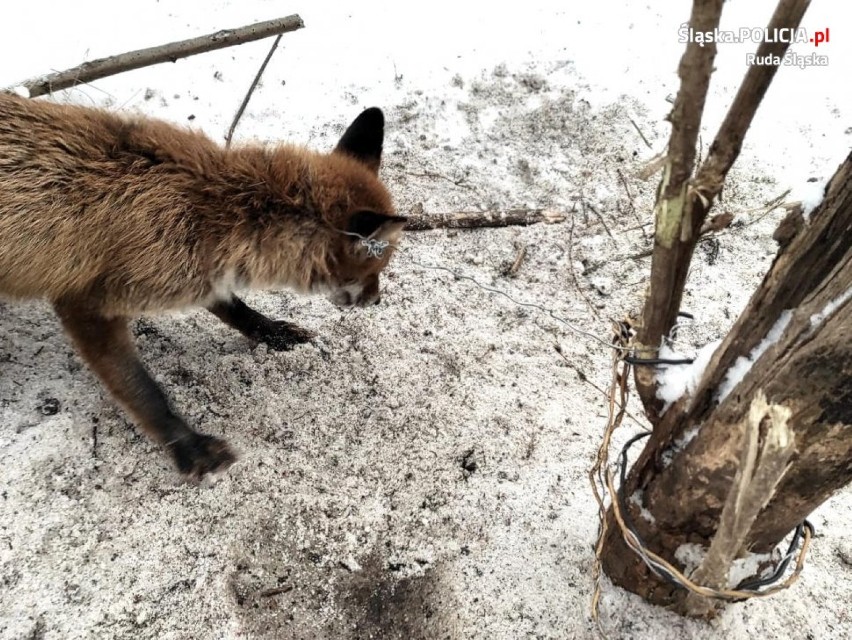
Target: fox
pixel 109 216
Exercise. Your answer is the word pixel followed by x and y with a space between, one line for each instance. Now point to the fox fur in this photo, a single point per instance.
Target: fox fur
pixel 108 217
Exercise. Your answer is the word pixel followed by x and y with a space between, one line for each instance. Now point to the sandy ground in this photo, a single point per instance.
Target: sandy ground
pixel 423 474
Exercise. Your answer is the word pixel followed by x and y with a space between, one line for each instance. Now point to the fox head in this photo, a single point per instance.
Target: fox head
pixel 365 228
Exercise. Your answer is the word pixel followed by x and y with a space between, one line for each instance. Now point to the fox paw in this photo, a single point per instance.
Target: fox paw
pixel 197 454
pixel 283 336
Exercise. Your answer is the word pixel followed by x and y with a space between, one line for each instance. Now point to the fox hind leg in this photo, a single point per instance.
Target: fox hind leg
pixel 107 346
pixel 278 334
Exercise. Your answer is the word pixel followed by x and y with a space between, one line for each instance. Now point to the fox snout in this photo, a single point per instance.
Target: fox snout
pixel 364 244
pixel 357 295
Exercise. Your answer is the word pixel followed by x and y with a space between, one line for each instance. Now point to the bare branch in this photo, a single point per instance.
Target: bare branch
pixel 673 239
pixel 171 52
pixel 728 142
pixel 694 70
pixel 516 265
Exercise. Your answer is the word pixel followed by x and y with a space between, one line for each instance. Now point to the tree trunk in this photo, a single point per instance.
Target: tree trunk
pixel 686 471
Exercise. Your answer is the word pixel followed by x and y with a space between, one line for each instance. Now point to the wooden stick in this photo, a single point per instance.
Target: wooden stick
pixel 266 593
pixel 171 52
pixel 600 218
pixel 512 270
pixel 478 219
pixel 641 135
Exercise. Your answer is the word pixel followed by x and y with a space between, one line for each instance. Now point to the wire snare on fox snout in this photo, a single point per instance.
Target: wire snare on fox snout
pixel 375 248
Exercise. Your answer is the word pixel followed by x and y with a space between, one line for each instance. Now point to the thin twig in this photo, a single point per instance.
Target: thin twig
pixel 652 166
pixel 638 227
pixel 767 208
pixel 266 593
pixel 629 195
pixel 597 213
pixel 459 182
pixel 641 135
pixel 251 89
pixel 573 273
pixel 513 269
pixel 647 253
pixel 584 378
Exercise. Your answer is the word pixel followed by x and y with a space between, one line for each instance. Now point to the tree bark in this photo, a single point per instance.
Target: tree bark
pixel 684 482
pixel 171 52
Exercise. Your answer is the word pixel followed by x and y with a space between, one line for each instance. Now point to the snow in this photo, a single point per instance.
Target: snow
pixel 350 496
pixel 749 566
pixel 743 364
pixel 830 307
pixel 636 499
pixel 679 445
pixel 677 380
pixel 690 556
pixel 810 194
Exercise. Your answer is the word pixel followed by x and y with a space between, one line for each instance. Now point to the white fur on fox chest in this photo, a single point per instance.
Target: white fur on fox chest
pixel 223 287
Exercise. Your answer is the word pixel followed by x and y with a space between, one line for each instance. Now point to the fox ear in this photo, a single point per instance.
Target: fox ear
pixel 370 224
pixel 364 138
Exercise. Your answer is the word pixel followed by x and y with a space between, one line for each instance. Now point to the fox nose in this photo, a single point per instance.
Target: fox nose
pixel 377 300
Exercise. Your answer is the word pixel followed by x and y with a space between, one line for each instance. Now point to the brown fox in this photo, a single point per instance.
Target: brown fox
pixel 108 217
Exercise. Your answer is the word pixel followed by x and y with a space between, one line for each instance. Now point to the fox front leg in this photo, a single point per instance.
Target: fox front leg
pixel 107 346
pixel 278 334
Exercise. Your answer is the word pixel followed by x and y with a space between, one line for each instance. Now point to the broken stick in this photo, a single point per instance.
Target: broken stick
pixel 763 462
pixel 171 52
pixel 477 219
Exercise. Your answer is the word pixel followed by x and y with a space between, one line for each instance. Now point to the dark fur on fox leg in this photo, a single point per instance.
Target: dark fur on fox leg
pixel 278 334
pixel 107 346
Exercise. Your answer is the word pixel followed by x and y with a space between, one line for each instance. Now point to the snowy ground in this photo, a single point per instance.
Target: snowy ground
pixel 428 479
